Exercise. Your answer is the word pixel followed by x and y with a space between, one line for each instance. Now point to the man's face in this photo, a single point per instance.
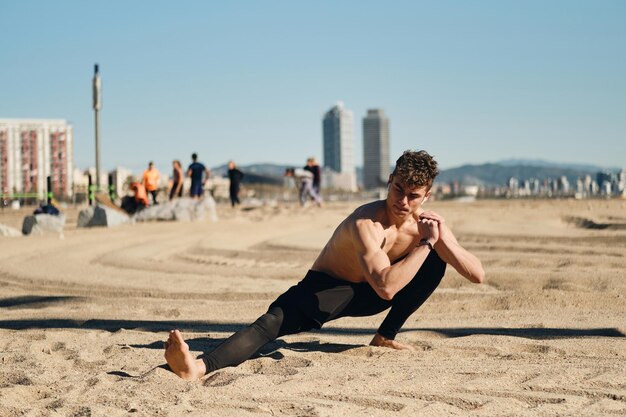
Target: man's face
pixel 403 200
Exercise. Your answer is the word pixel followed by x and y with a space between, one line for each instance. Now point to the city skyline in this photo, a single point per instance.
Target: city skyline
pixel 471 83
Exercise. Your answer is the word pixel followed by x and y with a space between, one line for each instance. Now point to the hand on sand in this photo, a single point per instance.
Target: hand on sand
pixel 180 360
pixel 381 341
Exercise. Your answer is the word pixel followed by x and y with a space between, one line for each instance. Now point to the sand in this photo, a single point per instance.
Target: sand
pixel 83 317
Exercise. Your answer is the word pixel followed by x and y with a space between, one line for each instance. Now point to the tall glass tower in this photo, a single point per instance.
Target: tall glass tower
pixel 339 145
pixel 375 149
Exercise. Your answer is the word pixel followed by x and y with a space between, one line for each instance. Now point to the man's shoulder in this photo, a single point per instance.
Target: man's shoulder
pixel 367 214
pixel 372 210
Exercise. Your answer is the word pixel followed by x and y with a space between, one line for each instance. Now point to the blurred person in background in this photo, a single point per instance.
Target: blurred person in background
pixel 150 181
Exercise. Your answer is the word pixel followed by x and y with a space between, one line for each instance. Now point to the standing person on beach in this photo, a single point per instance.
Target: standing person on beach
pixel 150 180
pixel 387 253
pixel 199 174
pixel 235 176
pixel 177 180
pixel 313 167
pixel 304 184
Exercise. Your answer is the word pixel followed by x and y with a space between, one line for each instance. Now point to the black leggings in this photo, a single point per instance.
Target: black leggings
pixel 318 299
pixel 234 196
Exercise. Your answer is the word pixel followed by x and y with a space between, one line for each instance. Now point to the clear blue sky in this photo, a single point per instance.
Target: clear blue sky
pixel 469 81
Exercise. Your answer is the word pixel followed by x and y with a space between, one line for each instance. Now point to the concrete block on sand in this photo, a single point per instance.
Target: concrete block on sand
pixel 180 209
pixel 101 215
pixel 39 224
pixel 9 231
pixel 84 217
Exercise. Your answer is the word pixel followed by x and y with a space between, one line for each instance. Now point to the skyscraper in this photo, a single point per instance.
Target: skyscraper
pixel 375 149
pixel 339 145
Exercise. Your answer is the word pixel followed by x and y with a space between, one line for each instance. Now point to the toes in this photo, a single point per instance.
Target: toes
pixel 176 337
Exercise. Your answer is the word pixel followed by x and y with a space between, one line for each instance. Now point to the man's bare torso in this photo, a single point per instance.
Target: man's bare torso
pixel 340 258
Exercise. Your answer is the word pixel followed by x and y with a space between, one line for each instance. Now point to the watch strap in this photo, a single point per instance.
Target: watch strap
pixel 425 242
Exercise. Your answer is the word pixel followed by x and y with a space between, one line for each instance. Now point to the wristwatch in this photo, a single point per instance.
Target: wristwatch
pixel 425 242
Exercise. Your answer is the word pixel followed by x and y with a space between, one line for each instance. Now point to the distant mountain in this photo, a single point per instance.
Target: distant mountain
pixel 490 174
pixel 264 173
pixel 499 174
pixel 548 164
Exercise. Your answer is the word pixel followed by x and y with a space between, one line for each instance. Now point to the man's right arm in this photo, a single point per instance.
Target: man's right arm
pixel 387 279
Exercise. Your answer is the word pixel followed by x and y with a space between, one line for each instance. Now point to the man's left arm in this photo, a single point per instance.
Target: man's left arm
pixel 451 252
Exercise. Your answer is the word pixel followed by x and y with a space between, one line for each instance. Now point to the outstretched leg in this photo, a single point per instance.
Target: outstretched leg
pixel 237 348
pixel 180 360
pixel 246 342
pixel 408 300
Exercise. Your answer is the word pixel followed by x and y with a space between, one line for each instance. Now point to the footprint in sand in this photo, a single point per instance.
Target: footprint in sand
pixel 421 346
pixel 285 367
pixel 459 402
pixel 221 379
pixel 55 404
pixel 169 313
pixel 82 412
pixel 61 348
pixel 15 378
pixel 388 406
pixel 541 349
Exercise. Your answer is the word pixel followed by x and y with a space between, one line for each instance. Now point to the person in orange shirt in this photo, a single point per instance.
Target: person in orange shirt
pixel 141 197
pixel 150 180
pixel 138 201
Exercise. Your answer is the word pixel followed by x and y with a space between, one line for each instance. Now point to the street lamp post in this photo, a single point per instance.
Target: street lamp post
pixel 97 105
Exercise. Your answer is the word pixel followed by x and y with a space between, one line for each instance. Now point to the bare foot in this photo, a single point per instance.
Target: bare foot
pixel 180 360
pixel 381 341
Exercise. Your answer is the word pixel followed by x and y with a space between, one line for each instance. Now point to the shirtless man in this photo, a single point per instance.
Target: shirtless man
pixel 388 253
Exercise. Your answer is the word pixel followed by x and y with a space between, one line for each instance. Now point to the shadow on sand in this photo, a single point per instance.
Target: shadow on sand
pixel 206 344
pixel 270 350
pixel 207 326
pixel 34 301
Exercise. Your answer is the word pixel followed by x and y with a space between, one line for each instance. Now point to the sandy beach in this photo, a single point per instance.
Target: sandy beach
pixel 83 318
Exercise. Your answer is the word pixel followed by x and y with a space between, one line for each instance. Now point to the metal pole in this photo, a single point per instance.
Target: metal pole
pixel 97 152
pixel 90 188
pixel 97 105
pixel 50 193
pixel 112 190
